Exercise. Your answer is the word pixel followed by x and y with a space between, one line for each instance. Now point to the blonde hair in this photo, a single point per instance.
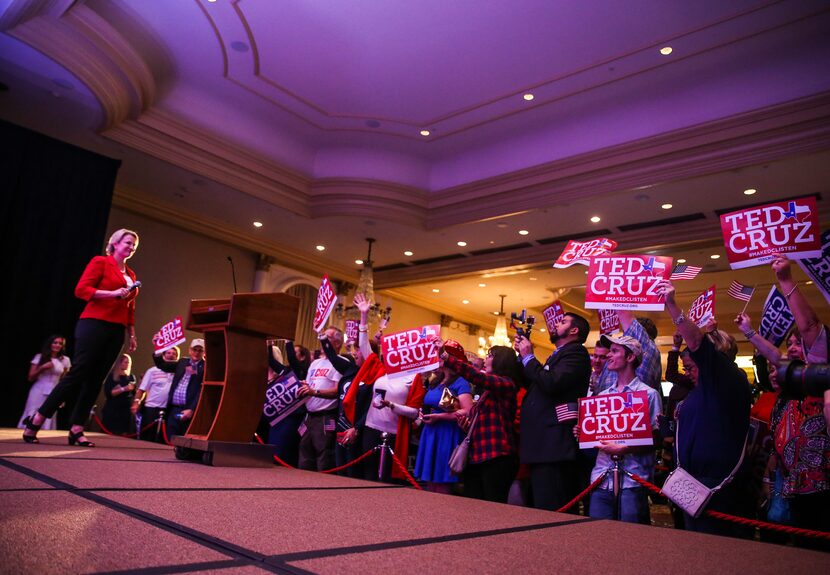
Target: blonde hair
pixel 724 343
pixel 117 236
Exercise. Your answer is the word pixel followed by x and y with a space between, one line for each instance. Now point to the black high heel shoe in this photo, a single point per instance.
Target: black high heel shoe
pixel 31 427
pixel 75 438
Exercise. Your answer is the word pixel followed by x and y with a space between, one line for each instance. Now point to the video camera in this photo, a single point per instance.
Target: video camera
pixel 525 323
pixel 800 379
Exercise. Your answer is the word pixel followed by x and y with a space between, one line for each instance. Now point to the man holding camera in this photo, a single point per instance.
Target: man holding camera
pixel 550 411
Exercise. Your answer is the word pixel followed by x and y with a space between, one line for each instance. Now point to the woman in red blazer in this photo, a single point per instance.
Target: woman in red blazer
pixel 107 285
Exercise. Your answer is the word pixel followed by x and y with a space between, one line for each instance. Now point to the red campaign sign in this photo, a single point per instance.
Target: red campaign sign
pixel 326 300
pixel 618 417
pixel 626 282
pixel 582 252
pixel 351 330
pixel 609 321
pixel 553 313
pixel 410 351
pixel 703 308
pixel 170 335
pixel 790 227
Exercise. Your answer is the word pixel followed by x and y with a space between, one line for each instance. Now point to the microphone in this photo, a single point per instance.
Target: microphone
pixel 134 287
pixel 233 273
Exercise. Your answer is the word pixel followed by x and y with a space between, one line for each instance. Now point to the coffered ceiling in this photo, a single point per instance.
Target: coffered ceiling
pixel 307 115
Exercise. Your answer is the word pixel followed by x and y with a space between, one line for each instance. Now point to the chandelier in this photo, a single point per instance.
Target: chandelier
pixel 499 336
pixel 365 286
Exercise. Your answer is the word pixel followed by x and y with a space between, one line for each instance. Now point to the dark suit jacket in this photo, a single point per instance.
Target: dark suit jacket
pixel 563 379
pixel 194 388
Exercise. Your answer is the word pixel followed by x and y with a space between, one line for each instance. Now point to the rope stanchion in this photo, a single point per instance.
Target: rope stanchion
pixel 584 493
pixel 406 474
pixel 743 520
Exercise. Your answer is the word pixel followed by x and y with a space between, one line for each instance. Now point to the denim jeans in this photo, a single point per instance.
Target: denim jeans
pixel 633 505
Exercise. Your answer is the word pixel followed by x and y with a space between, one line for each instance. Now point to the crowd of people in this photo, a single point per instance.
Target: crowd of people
pixel 518 414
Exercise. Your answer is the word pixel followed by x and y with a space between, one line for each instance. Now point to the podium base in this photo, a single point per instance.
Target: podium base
pixel 223 453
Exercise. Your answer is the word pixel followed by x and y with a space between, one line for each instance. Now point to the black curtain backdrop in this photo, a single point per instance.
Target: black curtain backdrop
pixel 55 202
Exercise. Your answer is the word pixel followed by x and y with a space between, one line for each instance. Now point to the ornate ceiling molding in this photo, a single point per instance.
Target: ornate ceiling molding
pixel 797 127
pixel 167 137
pixel 86 45
pixel 368 198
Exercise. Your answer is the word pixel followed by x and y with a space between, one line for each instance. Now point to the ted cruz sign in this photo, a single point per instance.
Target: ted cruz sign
pixel 790 227
pixel 170 335
pixel 617 417
pixel 410 351
pixel 626 282
pixel 703 308
pixel 582 252
pixel 281 398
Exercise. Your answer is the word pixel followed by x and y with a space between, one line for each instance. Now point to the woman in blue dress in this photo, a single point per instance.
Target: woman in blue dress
pixel 440 433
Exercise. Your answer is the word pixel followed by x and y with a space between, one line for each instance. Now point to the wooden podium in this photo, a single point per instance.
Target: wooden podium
pixel 236 373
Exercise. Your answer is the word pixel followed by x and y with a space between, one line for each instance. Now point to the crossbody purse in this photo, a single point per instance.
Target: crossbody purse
pixel 459 456
pixel 688 493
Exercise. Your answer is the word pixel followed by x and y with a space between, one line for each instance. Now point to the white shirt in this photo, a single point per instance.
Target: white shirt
pixel 47 380
pixel 322 375
pixel 157 385
pixel 396 390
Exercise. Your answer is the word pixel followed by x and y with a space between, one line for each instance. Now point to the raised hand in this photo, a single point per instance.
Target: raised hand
pixel 362 303
pixel 781 267
pixel 743 322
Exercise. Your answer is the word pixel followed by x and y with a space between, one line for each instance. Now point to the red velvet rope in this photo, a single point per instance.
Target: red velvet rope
pixel 584 493
pixel 744 520
pixel 333 470
pixel 108 432
pixel 405 472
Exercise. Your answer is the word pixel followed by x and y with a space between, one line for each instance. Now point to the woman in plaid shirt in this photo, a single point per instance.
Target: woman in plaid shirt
pixel 493 453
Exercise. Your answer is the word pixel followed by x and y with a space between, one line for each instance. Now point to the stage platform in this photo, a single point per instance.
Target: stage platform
pixel 131 507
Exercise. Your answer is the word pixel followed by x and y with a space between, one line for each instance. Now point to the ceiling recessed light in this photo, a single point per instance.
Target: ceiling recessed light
pixel 681 261
pixel 434 290
pixel 666 50
pixel 586 272
pixel 496 313
pixel 523 232
pixel 425 132
pixel 359 262
pixel 595 219
pixel 501 225
pixel 528 97
pixel 321 248
pixel 462 244
pixel 667 206
pixel 715 256
pixel 465 301
pixel 407 253
pixel 541 329
pixel 532 279
pixel 750 191
pixel 808 283
pixel 257 224
pixel 482 285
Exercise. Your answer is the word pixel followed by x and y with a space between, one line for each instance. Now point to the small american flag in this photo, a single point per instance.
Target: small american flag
pixel 740 291
pixel 566 412
pixel 683 272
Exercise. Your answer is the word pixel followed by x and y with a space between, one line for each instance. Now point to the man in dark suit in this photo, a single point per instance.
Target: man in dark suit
pixel 550 411
pixel 186 386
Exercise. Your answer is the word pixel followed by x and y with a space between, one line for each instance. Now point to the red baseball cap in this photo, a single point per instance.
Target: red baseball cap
pixel 454 348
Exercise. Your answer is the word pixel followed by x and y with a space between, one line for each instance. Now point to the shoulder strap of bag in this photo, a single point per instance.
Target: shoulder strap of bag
pixel 475 416
pixel 729 477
